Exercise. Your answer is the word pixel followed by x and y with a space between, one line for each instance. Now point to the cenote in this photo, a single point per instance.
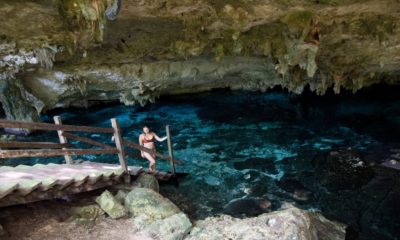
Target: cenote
pixel 320 153
pixel 284 114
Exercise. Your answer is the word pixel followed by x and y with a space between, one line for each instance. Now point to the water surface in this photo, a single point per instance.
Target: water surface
pixel 243 144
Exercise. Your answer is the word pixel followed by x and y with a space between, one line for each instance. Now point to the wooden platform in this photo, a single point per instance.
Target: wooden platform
pixel 23 184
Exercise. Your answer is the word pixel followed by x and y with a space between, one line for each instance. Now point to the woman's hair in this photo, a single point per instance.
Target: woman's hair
pixel 145 126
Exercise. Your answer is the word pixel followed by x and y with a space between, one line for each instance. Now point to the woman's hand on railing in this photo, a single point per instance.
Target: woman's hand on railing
pixel 112 138
pixel 142 154
pixel 160 139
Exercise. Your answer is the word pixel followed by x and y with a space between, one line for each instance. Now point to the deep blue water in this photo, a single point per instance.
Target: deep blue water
pixel 241 144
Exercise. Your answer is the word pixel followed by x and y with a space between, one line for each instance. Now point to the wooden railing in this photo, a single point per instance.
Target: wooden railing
pixel 16 149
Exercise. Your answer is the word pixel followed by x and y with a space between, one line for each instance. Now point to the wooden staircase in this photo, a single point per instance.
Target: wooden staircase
pixel 24 184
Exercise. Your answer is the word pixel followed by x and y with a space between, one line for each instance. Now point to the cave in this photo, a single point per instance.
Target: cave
pixel 277 109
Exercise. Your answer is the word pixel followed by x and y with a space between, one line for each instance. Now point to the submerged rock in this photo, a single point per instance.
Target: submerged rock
pixel 262 164
pixel 247 207
pixel 111 205
pixel 174 227
pixel 295 188
pixel 291 223
pixel 342 169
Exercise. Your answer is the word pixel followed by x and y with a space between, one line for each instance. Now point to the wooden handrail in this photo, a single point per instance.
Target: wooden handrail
pixel 57 121
pixel 119 145
pixel 148 150
pixel 52 153
pixel 85 140
pixel 65 149
pixel 51 127
pixel 34 145
pixel 144 149
pixel 170 150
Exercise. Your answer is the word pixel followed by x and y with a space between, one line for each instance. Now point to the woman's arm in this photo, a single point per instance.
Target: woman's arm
pixel 160 139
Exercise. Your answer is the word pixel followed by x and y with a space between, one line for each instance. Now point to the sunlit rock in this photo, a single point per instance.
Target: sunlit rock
pixel 175 227
pixel 111 206
pixel 291 223
pixel 147 206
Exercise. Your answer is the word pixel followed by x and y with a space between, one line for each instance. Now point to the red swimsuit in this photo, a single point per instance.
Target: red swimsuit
pixel 145 140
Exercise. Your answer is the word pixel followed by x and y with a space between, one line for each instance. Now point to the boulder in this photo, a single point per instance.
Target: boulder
pixel 342 169
pixel 148 206
pixel 148 181
pixel 247 207
pixel 291 223
pixel 111 205
pixel 120 196
pixel 175 227
pixel 86 215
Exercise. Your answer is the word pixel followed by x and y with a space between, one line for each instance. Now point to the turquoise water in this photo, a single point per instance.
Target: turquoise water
pixel 242 144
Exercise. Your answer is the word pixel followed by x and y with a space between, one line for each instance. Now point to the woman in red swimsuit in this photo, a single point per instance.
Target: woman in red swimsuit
pixel 147 139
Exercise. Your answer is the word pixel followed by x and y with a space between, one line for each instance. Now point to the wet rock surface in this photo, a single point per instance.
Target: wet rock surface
pixel 296 189
pixel 343 169
pixel 355 192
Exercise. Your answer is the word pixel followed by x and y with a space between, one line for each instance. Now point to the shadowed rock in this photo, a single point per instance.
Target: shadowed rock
pixel 295 188
pixel 247 207
pixel 342 169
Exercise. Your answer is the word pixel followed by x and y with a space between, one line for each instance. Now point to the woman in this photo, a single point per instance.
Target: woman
pixel 147 139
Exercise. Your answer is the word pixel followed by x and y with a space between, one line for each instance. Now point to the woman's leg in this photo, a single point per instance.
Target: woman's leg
pixel 154 165
pixel 152 160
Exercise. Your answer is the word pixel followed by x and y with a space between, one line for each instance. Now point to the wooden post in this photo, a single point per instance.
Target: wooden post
pixel 170 150
pixel 119 144
pixel 63 140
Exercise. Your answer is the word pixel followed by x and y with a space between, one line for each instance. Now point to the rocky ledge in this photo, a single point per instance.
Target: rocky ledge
pixel 142 213
pixel 169 47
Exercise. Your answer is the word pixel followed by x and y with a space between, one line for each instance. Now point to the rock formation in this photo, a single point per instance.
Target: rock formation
pixel 291 223
pixel 70 54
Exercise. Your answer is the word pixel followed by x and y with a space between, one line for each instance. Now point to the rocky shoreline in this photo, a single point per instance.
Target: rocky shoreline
pixel 140 212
